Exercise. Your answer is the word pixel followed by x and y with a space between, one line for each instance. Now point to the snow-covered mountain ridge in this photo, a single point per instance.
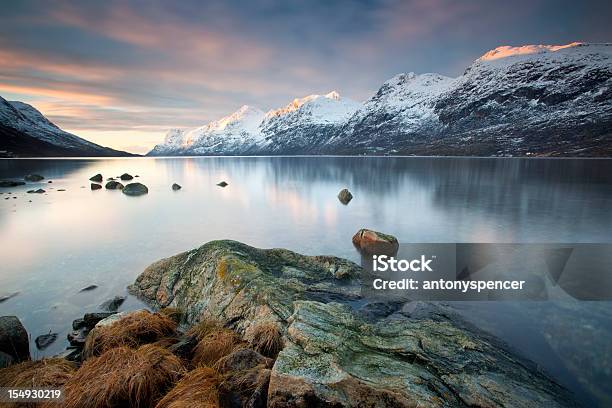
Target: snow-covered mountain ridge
pixel 527 100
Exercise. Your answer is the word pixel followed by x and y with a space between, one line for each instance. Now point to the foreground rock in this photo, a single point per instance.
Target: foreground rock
pixel 97 178
pixel 33 177
pixel 114 185
pixel 332 355
pixel 345 196
pixel 373 242
pixel 14 339
pixel 135 189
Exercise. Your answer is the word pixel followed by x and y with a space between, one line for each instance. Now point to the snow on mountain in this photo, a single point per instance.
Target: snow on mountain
pixel 527 100
pixel 20 118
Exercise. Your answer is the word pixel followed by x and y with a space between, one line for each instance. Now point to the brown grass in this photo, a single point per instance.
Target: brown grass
pixel 52 372
pixel 204 328
pixel 266 338
pixel 132 331
pixel 173 313
pixel 215 345
pixel 124 377
pixel 199 388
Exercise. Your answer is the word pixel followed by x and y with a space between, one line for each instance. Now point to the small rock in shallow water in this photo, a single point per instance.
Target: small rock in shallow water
pixel 110 179
pixel 126 177
pixel 97 178
pixel 7 297
pixel 33 177
pixel 113 304
pixel 45 340
pixel 345 196
pixel 39 191
pixel 135 189
pixel 95 186
pixel 222 184
pixel 176 187
pixel 50 181
pixel 114 185
pixel 88 288
pixel 61 189
pixel 373 242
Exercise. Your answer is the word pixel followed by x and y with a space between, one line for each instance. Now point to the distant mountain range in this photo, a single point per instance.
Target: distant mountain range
pixel 534 100
pixel 25 132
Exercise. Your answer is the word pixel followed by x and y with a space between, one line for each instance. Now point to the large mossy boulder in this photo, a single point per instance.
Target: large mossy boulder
pixel 339 352
pixel 14 339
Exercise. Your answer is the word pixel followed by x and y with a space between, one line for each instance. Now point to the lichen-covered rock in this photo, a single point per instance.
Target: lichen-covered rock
pixel 236 283
pixel 332 355
pixel 334 358
pixel 374 242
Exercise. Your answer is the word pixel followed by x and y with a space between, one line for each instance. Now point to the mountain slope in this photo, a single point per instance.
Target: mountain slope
pixel 513 101
pixel 24 131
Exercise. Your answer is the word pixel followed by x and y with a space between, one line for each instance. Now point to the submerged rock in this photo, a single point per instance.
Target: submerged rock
pixel 33 177
pixel 222 184
pixel 14 338
pixel 97 178
pixel 95 186
pixel 11 183
pixel 4 298
pixel 114 185
pixel 126 177
pixel 88 288
pixel 373 242
pixel 113 304
pixel 345 196
pixel 45 340
pixel 135 189
pixel 176 187
pixel 332 356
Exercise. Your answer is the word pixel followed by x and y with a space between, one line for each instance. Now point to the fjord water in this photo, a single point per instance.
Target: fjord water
pixel 54 244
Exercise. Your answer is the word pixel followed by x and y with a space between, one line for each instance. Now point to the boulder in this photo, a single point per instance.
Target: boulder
pixel 11 183
pixel 45 340
pixel 95 186
pixel 176 187
pixel 222 184
pixel 91 319
pixel 345 196
pixel 14 338
pixel 332 356
pixel 135 189
pixel 372 242
pixel 113 304
pixel 114 185
pixel 126 177
pixel 33 177
pixel 97 178
pixel 5 360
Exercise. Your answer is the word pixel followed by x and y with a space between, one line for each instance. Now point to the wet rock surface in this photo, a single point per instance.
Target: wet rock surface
pixel 333 356
pixel 373 242
pixel 113 304
pixel 126 177
pixel 113 185
pixel 45 340
pixel 135 189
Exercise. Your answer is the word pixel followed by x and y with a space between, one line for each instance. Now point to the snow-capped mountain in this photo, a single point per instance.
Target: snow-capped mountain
pixel 24 131
pixel 528 100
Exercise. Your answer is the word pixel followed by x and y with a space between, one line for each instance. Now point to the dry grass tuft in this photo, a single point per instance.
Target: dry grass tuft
pixel 204 328
pixel 199 388
pixel 52 372
pixel 266 338
pixel 250 387
pixel 132 330
pixel 215 345
pixel 173 313
pixel 124 377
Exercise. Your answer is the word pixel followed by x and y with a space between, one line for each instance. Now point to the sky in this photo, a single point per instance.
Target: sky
pixel 121 73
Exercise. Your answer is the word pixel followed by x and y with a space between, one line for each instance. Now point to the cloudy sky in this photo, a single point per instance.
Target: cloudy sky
pixel 122 73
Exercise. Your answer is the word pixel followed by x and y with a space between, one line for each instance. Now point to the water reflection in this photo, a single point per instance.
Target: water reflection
pixel 62 241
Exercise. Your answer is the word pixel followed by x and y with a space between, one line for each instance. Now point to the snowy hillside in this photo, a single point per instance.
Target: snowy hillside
pixel 23 129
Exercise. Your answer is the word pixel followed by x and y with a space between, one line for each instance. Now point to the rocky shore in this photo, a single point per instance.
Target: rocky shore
pixel 239 326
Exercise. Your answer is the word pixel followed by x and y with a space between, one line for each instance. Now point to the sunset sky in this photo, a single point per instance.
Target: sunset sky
pixel 122 73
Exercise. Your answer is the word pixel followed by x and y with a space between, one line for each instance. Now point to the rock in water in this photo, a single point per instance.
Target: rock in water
pixel 113 304
pixel 95 186
pixel 176 187
pixel 10 183
pixel 332 356
pixel 345 196
pixel 114 185
pixel 14 338
pixel 4 298
pixel 97 178
pixel 222 184
pixel 373 242
pixel 39 191
pixel 45 340
pixel 88 288
pixel 33 177
pixel 126 177
pixel 135 189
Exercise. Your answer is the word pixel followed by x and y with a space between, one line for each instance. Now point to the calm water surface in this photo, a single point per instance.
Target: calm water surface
pixel 54 244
